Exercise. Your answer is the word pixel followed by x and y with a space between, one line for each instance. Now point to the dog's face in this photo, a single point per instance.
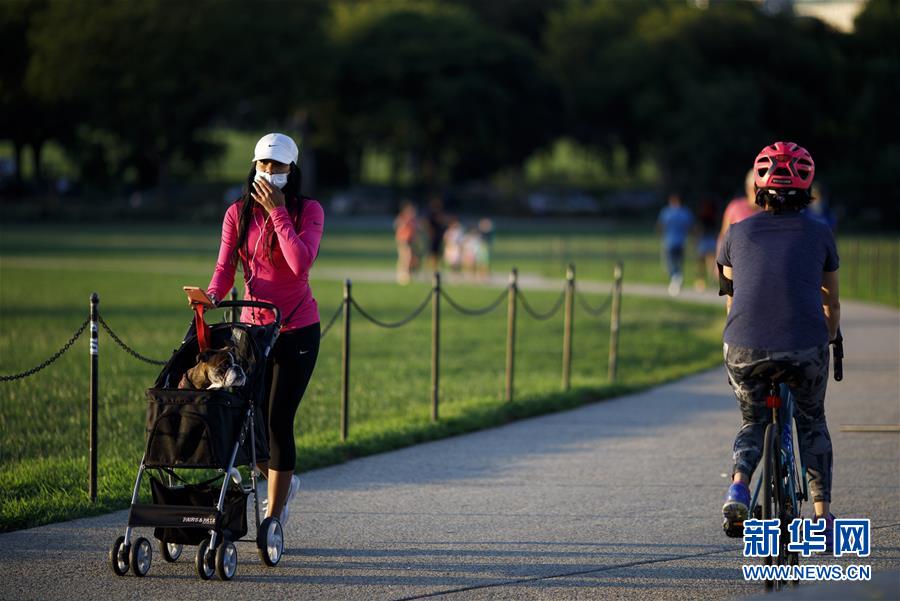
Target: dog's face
pixel 221 368
pixel 216 368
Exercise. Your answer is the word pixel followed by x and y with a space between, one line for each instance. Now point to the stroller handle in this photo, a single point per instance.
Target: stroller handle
pixel 257 304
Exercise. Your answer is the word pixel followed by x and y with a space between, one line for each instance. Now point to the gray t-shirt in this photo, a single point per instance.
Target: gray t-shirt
pixel 777 263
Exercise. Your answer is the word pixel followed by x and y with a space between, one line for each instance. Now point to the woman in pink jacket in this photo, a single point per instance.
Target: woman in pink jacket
pixel 273 231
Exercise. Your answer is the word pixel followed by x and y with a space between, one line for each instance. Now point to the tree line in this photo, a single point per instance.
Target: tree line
pixel 455 89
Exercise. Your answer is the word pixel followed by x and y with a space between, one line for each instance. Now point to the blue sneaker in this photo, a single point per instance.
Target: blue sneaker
pixel 737 505
pixel 829 532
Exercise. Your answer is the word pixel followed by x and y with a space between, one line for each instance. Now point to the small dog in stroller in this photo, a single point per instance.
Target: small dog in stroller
pixel 216 368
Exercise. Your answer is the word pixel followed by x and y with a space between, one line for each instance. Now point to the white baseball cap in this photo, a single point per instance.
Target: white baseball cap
pixel 277 147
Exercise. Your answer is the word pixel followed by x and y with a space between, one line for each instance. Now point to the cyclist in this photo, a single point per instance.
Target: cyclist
pixel 779 270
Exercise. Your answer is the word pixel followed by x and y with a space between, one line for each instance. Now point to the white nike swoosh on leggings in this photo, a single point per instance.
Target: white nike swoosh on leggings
pixel 302 352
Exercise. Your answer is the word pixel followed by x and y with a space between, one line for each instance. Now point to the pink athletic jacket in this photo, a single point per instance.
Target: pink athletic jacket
pixel 283 280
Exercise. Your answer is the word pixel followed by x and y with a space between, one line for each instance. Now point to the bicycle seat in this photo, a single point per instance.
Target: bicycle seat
pixel 779 372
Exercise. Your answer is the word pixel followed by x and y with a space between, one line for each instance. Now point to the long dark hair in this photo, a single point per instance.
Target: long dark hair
pixel 293 200
pixel 787 200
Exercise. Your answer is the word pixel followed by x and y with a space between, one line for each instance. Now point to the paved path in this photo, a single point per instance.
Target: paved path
pixel 619 499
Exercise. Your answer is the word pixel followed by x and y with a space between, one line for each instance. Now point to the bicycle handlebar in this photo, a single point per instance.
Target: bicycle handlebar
pixel 838 352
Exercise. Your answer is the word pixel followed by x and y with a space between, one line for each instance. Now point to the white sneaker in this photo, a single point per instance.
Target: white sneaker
pixel 292 492
pixel 675 285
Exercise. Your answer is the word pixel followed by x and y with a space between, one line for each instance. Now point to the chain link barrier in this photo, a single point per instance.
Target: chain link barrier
pixel 541 316
pixel 397 324
pixel 332 320
pixel 590 310
pixel 53 358
pixel 475 312
pixel 125 347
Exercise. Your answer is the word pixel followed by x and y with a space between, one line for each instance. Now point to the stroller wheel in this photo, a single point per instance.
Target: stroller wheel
pixel 226 560
pixel 204 562
pixel 171 552
pixel 270 541
pixel 118 556
pixel 141 557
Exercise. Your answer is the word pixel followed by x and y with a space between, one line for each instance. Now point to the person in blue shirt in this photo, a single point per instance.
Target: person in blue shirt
pixel 675 222
pixel 779 270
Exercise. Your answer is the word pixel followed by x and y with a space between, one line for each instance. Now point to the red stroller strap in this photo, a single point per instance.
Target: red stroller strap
pixel 201 328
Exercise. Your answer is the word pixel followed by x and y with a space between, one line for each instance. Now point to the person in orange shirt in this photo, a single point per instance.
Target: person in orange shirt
pixel 405 229
pixel 739 208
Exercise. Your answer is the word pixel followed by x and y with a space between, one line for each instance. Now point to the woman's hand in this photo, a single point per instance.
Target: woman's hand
pixel 267 195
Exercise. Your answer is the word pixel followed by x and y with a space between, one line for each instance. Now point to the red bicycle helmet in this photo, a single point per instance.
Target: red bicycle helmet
pixel 784 165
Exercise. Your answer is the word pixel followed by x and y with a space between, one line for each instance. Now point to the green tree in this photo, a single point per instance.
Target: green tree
pixel 870 157
pixel 152 77
pixel 431 82
pixel 25 120
pixel 525 18
pixel 701 91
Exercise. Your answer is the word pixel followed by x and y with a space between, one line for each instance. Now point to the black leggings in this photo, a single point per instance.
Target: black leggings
pixel 288 372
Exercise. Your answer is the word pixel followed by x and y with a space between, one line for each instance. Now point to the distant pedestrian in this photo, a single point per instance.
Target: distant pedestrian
pixel 483 259
pixel 818 208
pixel 707 228
pixel 471 250
pixel 674 222
pixel 454 238
pixel 740 208
pixel 405 229
pixel 437 225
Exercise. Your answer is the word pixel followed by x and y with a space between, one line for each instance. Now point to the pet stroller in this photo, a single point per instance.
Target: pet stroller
pixel 212 429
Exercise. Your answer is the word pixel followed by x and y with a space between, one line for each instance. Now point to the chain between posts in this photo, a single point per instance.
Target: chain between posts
pixel 54 357
pixel 475 312
pixel 590 310
pixel 397 324
pixel 331 321
pixel 511 292
pixel 542 316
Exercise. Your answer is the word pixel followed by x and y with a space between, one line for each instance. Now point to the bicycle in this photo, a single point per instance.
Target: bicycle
pixel 782 487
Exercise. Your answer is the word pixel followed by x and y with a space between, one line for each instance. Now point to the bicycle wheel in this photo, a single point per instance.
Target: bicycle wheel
pixel 793 485
pixel 772 506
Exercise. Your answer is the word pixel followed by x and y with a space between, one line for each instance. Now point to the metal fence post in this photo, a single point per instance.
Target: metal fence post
pixel 234 310
pixel 94 389
pixel 435 344
pixel 345 366
pixel 568 327
pixel 614 323
pixel 511 332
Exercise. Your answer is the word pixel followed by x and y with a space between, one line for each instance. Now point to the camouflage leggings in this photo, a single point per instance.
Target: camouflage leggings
pixel 809 411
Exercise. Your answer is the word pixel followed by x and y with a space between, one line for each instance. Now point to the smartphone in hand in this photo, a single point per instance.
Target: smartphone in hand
pixel 198 296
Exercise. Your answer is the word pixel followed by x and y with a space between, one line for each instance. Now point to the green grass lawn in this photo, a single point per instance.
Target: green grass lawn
pixel 870 265
pixel 47 275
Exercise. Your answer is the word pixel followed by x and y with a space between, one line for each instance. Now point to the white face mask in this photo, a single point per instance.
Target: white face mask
pixel 279 180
